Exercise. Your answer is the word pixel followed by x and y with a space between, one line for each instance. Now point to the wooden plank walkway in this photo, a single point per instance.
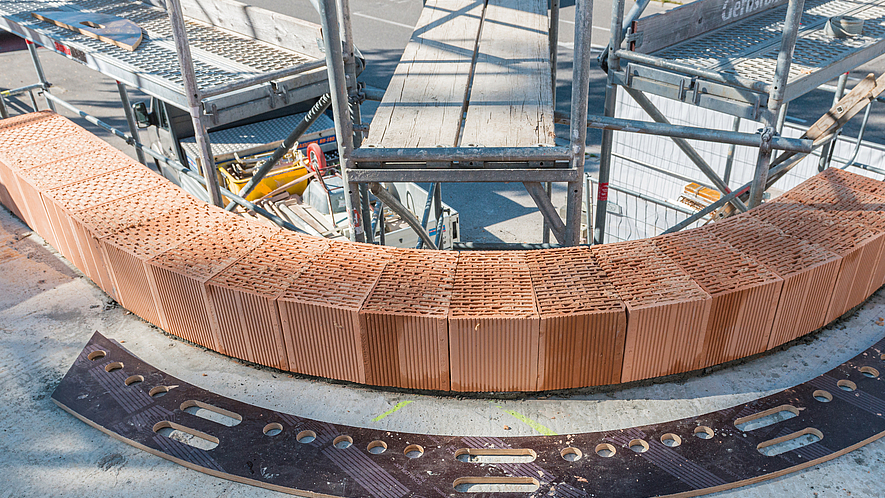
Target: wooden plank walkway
pixel 511 99
pixel 425 100
pixel 491 62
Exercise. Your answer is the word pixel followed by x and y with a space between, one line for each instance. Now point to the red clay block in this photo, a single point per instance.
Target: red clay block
pixel 809 273
pixel 180 273
pixel 10 195
pixel 113 216
pixel 744 293
pixel 667 311
pixel 403 322
pixel 858 246
pixel 103 188
pixel 583 320
pixel 51 150
pixel 243 312
pixel 319 310
pixel 863 208
pixel 26 129
pixel 494 326
pixel 126 251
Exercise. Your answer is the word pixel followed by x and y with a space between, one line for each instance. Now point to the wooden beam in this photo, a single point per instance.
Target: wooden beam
pixel 688 21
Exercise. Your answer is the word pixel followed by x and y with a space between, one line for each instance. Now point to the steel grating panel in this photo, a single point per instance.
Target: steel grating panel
pixel 220 56
pixel 260 133
pixel 749 47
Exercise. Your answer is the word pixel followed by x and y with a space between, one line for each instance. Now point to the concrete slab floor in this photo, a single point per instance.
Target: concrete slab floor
pixel 48 310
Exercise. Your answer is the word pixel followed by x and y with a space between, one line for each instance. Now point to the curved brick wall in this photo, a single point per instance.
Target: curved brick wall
pixel 473 321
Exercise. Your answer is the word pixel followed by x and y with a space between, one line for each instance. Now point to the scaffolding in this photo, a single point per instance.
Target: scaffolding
pixel 745 60
pixel 735 82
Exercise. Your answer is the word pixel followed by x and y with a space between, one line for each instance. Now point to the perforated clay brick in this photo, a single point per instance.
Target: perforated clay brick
pixel 113 216
pixel 405 331
pixel 243 310
pixel 320 310
pixel 856 244
pixel 667 311
pixel 493 315
pixel 127 250
pixel 745 293
pixel 103 188
pixel 809 273
pixel 19 131
pixel 76 168
pixel 180 273
pixel 583 320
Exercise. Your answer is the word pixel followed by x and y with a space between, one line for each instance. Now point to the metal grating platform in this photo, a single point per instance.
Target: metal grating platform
pixel 220 56
pixel 748 48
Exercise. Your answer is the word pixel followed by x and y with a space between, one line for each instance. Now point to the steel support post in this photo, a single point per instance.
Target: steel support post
pixel 4 113
pixel 130 119
pixel 554 44
pixel 611 96
pixel 346 25
pixel 341 110
pixel 649 107
pixel 578 129
pixel 32 49
pixel 729 158
pixel 545 231
pixel 826 154
pixel 781 117
pixel 427 205
pixel 776 97
pixel 605 162
pixel 34 100
pixel 551 217
pixel 194 101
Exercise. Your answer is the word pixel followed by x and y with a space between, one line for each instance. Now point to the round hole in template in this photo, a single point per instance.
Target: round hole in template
pixel 605 450
pixel 413 451
pixel 272 429
pixel 571 454
pixel 638 446
pixel 882 356
pixel 822 396
pixel 703 432
pixel 869 372
pixel 96 355
pixel 110 367
pixel 342 442
pixel 671 440
pixel 846 385
pixel 135 379
pixel 377 447
pixel 305 437
pixel 159 391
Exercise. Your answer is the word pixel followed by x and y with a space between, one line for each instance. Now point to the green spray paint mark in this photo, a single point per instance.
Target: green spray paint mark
pixel 392 410
pixel 531 423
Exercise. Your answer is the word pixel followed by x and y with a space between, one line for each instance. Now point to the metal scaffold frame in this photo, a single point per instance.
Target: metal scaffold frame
pixel 668 73
pixel 534 166
pixel 364 167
